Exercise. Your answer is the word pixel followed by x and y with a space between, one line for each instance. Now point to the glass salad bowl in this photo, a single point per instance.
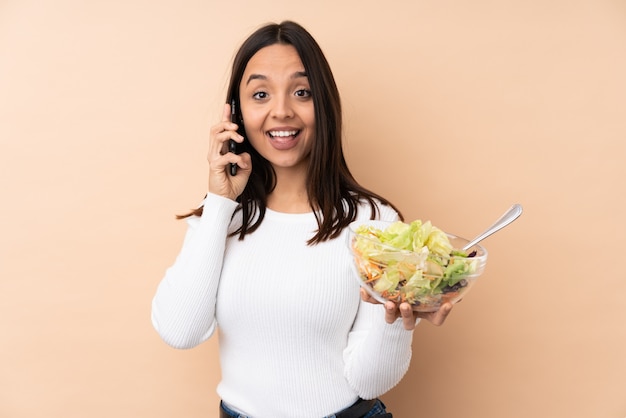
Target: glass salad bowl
pixel 415 263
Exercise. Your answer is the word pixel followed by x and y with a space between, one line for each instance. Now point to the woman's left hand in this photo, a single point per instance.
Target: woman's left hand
pixel 408 315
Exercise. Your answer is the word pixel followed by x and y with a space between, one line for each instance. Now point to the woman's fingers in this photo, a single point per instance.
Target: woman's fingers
pixel 366 297
pixel 439 317
pixel 219 158
pixel 409 317
pixel 391 312
pixel 221 133
pixel 406 312
pixel 226 113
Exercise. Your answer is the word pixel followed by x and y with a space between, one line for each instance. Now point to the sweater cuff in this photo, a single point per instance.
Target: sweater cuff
pixel 218 207
pixel 395 331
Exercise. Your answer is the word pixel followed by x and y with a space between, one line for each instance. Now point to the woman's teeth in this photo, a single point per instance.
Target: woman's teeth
pixel 282 134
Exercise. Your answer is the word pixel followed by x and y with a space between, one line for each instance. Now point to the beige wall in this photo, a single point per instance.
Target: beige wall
pixel 454 110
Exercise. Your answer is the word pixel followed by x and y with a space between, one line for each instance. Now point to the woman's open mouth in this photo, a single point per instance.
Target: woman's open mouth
pixel 284 139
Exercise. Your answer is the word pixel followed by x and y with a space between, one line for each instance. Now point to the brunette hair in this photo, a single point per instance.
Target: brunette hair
pixel 333 192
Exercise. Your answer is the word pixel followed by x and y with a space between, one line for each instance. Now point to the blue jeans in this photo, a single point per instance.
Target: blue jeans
pixel 377 409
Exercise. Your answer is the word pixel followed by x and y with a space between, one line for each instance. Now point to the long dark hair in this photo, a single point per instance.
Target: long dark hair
pixel 333 192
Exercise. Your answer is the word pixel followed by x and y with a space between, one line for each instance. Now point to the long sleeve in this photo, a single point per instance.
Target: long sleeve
pixel 378 354
pixel 183 308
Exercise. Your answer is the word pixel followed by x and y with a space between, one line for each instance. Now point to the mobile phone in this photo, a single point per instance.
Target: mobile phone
pixel 232 145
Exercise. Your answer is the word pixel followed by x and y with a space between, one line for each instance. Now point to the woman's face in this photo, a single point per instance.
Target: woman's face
pixel 277 107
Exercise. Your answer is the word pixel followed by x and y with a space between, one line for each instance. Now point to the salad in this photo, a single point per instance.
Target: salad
pixel 414 262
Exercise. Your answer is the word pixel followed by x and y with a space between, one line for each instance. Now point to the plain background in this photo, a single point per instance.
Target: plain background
pixel 454 110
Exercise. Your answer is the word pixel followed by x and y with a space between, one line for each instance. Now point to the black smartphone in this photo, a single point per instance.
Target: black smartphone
pixel 232 145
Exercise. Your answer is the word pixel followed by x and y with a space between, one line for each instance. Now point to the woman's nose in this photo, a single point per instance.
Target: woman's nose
pixel 282 108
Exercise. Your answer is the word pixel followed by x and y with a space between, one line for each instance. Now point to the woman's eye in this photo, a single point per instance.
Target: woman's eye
pixel 260 95
pixel 303 93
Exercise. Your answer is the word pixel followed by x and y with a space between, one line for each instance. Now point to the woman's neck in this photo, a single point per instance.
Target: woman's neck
pixel 290 194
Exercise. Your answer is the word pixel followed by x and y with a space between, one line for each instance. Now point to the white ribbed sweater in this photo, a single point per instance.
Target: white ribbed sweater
pixel 295 340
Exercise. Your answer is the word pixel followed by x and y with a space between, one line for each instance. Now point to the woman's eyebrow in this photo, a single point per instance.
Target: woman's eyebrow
pixel 297 74
pixel 255 77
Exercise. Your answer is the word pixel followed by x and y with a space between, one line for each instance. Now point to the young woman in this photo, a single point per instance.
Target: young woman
pixel 265 260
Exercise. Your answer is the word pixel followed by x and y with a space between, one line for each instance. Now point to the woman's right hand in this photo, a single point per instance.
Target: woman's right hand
pixel 220 180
